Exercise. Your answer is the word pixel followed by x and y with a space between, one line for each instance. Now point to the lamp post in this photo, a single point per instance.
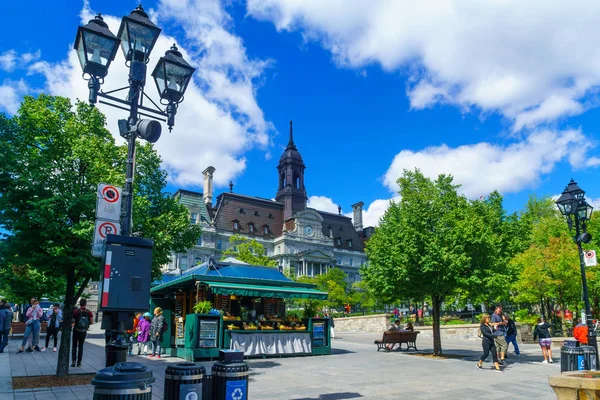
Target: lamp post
pixel 96 48
pixel 573 206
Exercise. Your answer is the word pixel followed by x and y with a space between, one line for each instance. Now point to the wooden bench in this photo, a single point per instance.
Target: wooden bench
pixel 408 337
pixel 18 328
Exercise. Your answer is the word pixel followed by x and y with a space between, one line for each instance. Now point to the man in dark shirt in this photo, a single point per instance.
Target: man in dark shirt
pixel 80 328
pixel 511 334
pixel 499 333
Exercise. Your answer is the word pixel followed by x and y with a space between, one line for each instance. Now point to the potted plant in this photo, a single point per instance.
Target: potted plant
pixel 202 307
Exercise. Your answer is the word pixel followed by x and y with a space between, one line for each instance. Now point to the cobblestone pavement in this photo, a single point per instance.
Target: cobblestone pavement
pixel 354 371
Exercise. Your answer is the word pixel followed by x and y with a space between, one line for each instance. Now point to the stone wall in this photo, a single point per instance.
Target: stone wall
pixel 380 322
pixel 366 323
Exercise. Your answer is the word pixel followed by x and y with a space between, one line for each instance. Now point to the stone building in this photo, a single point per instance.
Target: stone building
pixel 302 240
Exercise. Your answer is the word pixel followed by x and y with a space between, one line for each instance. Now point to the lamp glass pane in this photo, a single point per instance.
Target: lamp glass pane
pixel 81 50
pixel 159 77
pixel 142 37
pixel 98 48
pixel 177 77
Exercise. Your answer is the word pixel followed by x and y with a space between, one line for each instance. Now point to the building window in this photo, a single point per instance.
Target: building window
pixel 271 216
pixel 198 261
pixel 338 241
pixel 256 214
pixel 266 230
pixel 183 263
pixel 236 225
pixel 351 261
pixel 219 245
pixel 199 241
pixel 278 249
pixel 339 261
pixel 242 211
pixel 193 218
pixel 251 227
pixel 350 243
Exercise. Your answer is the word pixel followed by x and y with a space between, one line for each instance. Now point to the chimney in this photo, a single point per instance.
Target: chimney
pixel 208 185
pixel 357 217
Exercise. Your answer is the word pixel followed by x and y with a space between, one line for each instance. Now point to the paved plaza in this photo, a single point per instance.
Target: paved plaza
pixel 354 371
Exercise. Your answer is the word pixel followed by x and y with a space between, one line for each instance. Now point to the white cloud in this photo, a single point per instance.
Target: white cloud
pixel 11 94
pixel 11 60
pixel 532 62
pixel 218 121
pixel 322 203
pixel 483 167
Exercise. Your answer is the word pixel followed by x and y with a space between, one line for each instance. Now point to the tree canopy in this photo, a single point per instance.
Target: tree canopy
pixel 249 251
pixel 53 157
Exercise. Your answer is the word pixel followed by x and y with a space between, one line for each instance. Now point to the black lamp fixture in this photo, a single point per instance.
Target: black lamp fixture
pixel 96 47
pixel 138 35
pixel 172 75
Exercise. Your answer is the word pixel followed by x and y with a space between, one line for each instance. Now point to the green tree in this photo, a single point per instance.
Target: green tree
pixel 431 243
pixel 53 158
pixel 249 251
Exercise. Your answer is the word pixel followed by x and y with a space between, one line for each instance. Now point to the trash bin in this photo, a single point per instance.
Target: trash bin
pixel 128 380
pixel 181 379
pixel 230 381
pixel 589 358
pixel 569 358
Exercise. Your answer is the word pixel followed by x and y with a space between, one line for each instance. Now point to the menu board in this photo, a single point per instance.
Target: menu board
pixel 272 307
pixel 223 303
pixel 179 332
pixel 179 305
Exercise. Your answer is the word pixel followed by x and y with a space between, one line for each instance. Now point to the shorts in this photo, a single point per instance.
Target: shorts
pixel 546 342
pixel 501 345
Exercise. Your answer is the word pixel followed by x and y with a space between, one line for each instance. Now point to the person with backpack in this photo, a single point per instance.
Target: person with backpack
pixel 6 317
pixel 156 331
pixel 82 319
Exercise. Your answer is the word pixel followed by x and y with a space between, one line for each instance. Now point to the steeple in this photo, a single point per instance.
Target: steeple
pixel 291 191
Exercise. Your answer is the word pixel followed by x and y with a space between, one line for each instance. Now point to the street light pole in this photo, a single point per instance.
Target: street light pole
pixel 592 340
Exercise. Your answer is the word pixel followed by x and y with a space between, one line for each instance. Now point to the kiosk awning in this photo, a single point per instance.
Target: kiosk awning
pixel 241 289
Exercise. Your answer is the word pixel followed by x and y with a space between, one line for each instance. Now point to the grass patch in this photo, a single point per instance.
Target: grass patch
pixel 46 381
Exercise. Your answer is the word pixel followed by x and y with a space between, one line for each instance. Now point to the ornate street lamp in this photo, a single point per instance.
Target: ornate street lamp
pixel 96 47
pixel 573 206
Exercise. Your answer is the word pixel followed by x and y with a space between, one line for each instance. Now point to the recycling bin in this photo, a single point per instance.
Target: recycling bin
pixel 589 358
pixel 570 358
pixel 123 381
pixel 230 381
pixel 184 381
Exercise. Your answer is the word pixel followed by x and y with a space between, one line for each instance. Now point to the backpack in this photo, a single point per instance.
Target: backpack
pixel 165 327
pixel 83 323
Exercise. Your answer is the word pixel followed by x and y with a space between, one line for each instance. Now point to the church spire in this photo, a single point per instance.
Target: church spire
pixel 291 144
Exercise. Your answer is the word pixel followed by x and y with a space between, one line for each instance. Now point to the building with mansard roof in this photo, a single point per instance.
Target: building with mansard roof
pixel 304 241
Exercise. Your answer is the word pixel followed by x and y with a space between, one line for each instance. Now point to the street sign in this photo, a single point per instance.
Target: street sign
pixel 103 228
pixel 589 256
pixel 108 205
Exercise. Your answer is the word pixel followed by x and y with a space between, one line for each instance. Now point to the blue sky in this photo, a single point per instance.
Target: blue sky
pixel 489 92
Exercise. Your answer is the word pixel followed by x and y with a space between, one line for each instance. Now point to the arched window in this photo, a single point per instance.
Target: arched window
pixel 183 263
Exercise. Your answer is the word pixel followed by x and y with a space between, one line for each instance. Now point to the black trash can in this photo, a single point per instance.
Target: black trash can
pixel 181 379
pixel 123 381
pixel 570 358
pixel 589 358
pixel 230 381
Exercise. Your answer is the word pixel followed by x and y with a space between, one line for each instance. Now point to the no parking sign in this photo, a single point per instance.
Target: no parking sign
pixel 589 256
pixel 101 229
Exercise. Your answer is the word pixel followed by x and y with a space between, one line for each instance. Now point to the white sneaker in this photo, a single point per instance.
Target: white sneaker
pixel 545 362
pixel 54 349
pixel 551 361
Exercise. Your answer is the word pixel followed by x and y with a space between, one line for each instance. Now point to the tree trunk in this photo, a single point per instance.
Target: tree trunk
pixel 542 305
pixel 81 289
pixel 437 340
pixel 62 366
pixel 563 323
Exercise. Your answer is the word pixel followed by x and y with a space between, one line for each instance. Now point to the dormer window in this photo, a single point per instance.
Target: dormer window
pixel 265 229
pixel 256 214
pixel 236 225
pixel 242 211
pixel 193 218
pixel 251 227
pixel 350 243
pixel 270 216
pixel 338 241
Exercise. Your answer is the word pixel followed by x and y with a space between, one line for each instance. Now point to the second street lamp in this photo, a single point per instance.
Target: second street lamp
pixel 573 206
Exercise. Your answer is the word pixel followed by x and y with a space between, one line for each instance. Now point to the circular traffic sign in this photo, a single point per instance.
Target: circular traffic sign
pixel 107 228
pixel 110 194
pixel 589 254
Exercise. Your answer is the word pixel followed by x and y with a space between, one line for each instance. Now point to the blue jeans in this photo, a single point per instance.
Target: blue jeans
pixel 156 347
pixel 3 340
pixel 32 329
pixel 513 339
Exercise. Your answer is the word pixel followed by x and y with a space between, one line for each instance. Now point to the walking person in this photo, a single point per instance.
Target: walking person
pixel 156 331
pixel 32 327
pixel 488 342
pixel 511 334
pixel 143 329
pixel 82 319
pixel 132 334
pixel 499 326
pixel 54 316
pixel 580 332
pixel 541 331
pixel 6 317
pixel 331 325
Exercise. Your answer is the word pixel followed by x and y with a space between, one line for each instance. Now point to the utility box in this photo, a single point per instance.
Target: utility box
pixel 127 274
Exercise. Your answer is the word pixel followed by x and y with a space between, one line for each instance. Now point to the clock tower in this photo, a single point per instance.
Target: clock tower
pixel 291 191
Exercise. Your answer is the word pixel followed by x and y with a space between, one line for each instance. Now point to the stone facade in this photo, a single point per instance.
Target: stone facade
pixel 303 241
